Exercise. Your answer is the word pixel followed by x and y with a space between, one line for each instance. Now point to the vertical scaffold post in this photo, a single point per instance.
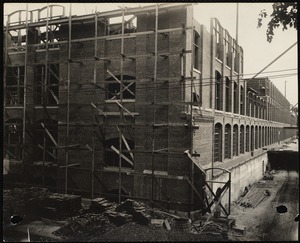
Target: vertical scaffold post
pixel 25 91
pixel 68 99
pixel 121 101
pixel 45 82
pixel 5 71
pixel 191 109
pixel 95 81
pixel 154 101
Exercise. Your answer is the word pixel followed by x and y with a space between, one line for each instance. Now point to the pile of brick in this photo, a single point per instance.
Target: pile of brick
pixel 136 209
pixel 85 227
pixel 99 205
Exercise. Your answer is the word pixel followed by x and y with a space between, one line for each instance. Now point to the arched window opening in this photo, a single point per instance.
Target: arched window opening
pixel 235 140
pixel 256 137
pixel 218 143
pixel 218 91
pixel 252 138
pixel 259 137
pixel 228 95
pixel 13 138
pixel 227 144
pixel 113 87
pixel 263 142
pixel 247 139
pixel 111 155
pixel 242 135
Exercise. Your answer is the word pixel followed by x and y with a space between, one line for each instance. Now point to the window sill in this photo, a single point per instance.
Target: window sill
pixel 50 49
pixel 116 169
pixel 47 106
pixel 14 106
pixel 123 101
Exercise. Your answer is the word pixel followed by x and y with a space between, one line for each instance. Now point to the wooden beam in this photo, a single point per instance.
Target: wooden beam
pixel 123 156
pixel 54 96
pixel 49 134
pixel 101 112
pixel 70 165
pixel 121 106
pixel 52 155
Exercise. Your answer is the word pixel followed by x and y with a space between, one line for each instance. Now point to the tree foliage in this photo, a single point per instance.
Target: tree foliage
pixel 284 14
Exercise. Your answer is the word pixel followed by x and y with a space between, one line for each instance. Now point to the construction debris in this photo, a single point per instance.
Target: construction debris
pixel 136 209
pixel 85 227
pixel 268 176
pixel 99 205
pixel 254 197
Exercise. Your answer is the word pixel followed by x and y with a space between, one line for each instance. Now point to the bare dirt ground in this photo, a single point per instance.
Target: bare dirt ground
pixel 264 223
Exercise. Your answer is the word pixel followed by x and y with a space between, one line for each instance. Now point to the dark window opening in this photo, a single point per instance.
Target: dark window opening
pixel 247 139
pixel 218 40
pixel 235 98
pixel 196 97
pixel 252 138
pixel 256 137
pixel 228 95
pixel 259 137
pixel 235 140
pixel 218 143
pixel 242 101
pixel 235 57
pixel 227 144
pixel 248 104
pixel 47 85
pixel 218 91
pixel 112 157
pixel 15 86
pixel 113 87
pixel 242 134
pixel 227 50
pixel 196 45
pixel 14 138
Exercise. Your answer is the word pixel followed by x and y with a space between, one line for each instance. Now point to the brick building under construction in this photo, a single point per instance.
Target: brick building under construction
pixel 135 102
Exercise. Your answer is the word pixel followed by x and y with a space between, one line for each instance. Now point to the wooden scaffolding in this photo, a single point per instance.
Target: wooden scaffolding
pixel 52 20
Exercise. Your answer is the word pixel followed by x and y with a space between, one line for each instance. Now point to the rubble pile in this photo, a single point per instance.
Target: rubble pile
pixel 85 227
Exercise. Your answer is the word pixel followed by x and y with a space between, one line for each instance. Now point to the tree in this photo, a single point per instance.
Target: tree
pixel 284 14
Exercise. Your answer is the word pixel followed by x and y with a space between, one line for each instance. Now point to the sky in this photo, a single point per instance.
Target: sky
pixel 258 53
